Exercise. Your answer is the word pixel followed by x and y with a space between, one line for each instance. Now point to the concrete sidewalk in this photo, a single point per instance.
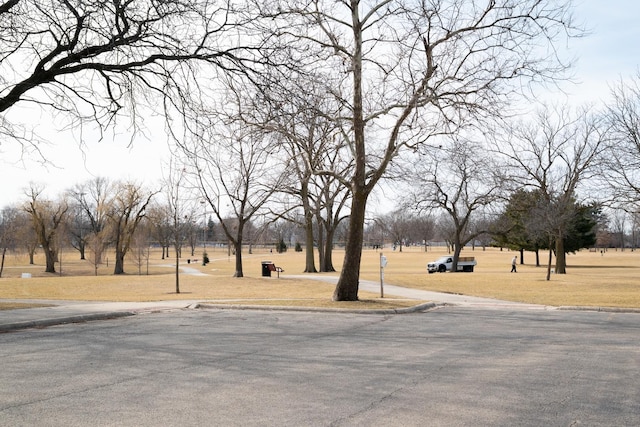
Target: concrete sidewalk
pixel 61 312
pixel 436 297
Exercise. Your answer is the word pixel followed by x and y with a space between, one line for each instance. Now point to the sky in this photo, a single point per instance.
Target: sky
pixel 609 52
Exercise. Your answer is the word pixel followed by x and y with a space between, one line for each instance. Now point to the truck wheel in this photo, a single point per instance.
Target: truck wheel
pixel 442 268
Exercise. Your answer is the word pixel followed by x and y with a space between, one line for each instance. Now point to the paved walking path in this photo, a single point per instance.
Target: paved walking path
pixel 61 312
pixel 437 297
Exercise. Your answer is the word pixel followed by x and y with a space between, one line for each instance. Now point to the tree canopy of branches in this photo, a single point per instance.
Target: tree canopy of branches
pixel 297 115
pixel 461 180
pixel 404 72
pixel 235 166
pixel 94 198
pixel 399 226
pixel 94 59
pixel 622 168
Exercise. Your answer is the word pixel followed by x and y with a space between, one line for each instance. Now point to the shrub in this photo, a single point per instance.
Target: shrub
pixel 281 246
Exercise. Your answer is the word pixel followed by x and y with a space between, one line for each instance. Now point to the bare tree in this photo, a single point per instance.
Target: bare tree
pixel 78 229
pixel 127 208
pixel 9 220
pixel 140 245
pixel 554 154
pixel 48 218
pixel 619 227
pixel 398 225
pixel 159 219
pixel 423 226
pixel 332 208
pixel 26 235
pixel 414 70
pixel 623 157
pixel 463 181
pixel 180 210
pixel 300 115
pixel 96 245
pixel 309 139
pixel 93 198
pixel 235 166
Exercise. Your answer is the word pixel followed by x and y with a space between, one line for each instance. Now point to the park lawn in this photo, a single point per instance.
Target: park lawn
pixel 594 279
pixel 77 282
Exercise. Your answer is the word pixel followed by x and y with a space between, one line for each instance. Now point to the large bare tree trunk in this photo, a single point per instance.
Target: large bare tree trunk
pixel 321 244
pixel 237 247
pixel 50 258
pixel 457 248
pixel 327 261
pixel 310 262
pixel 119 267
pixel 4 251
pixel 348 283
pixel 561 257
pixel 550 258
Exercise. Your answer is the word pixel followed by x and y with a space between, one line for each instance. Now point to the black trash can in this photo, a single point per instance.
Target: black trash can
pixel 266 268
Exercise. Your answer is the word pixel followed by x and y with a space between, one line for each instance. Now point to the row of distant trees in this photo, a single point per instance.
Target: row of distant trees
pixel 125 218
pixel 88 218
pixel 122 218
pixel 519 227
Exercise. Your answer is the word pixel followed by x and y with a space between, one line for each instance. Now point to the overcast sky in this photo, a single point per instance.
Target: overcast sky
pixel 611 51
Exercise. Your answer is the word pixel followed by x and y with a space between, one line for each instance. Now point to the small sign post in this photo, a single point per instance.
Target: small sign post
pixel 383 264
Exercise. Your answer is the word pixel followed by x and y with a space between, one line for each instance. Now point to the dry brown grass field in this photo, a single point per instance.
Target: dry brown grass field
pixel 78 282
pixel 609 279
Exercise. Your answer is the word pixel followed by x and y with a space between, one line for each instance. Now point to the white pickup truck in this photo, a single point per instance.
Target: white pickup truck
pixel 445 263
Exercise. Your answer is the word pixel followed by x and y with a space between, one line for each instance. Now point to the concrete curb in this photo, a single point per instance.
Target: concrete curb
pixel 80 318
pixel 602 309
pixel 406 310
pixel 43 323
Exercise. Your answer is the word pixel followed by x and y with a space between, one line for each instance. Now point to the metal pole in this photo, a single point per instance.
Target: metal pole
pixel 381 277
pixel 204 232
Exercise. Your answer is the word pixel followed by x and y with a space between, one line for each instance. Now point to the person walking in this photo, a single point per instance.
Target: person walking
pixel 513 264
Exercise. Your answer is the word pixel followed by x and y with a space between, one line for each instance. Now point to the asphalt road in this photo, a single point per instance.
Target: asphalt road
pixel 455 366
